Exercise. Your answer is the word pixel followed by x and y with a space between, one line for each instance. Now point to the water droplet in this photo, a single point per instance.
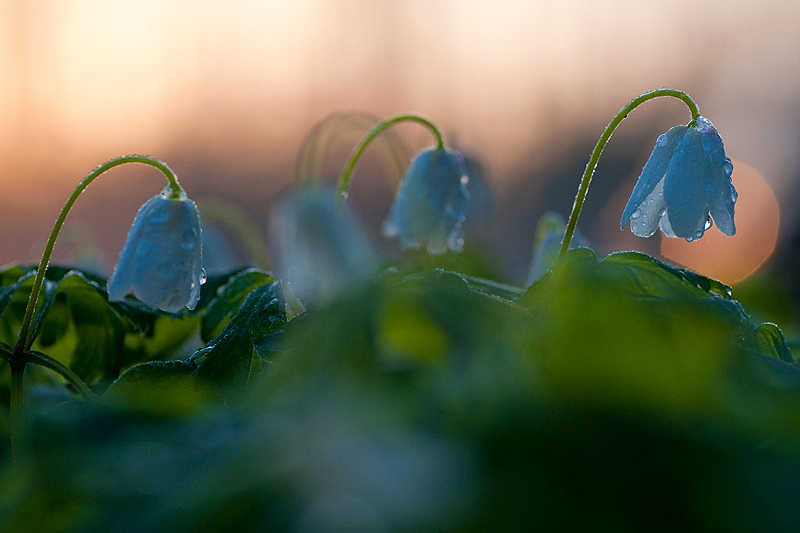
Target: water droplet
pixel 707 224
pixel 345 194
pixel 727 167
pixel 636 214
pixel 662 212
pixel 662 140
pixel 203 276
pixel 464 179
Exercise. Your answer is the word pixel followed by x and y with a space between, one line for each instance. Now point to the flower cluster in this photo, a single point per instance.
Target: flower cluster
pixel 685 182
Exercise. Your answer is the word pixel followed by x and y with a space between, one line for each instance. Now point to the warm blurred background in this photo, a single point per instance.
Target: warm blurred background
pixel 225 92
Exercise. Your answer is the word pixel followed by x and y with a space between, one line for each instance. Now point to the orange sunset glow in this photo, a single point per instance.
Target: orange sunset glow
pixel 732 259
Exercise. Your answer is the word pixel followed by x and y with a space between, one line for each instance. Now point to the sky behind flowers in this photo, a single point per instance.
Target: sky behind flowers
pixel 225 92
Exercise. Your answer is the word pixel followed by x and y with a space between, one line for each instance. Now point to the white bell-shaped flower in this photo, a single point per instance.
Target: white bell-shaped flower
pixel 431 203
pixel 321 248
pixel 685 182
pixel 161 261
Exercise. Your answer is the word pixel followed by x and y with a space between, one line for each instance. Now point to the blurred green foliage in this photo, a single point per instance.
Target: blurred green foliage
pixel 619 394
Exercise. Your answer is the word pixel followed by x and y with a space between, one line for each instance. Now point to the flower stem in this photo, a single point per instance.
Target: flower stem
pixel 344 180
pixel 598 149
pixel 24 342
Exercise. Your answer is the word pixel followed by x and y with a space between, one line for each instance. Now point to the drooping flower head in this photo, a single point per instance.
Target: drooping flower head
pixel 161 261
pixel 431 203
pixel 685 182
pixel 321 248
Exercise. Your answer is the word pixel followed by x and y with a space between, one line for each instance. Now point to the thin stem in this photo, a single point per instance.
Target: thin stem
pixel 24 342
pixel 598 149
pixel 344 180
pixel 46 361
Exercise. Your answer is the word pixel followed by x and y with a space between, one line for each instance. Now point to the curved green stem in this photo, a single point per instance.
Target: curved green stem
pixel 46 361
pixel 319 142
pixel 24 342
pixel 598 149
pixel 344 180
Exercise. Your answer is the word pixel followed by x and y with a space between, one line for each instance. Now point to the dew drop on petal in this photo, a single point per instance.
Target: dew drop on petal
pixel 662 140
pixel 707 224
pixel 203 276
pixel 727 167
pixel 636 214
pixel 662 212
pixel 464 179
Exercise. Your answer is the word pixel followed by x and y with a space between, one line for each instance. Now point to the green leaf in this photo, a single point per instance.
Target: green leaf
pixel 157 388
pixel 232 358
pixel 646 275
pixel 12 274
pixel 12 305
pixel 228 300
pixel 770 341
pixel 97 328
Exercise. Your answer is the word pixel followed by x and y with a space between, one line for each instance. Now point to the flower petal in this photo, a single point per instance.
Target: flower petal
pixel 652 173
pixel 683 188
pixel 161 261
pixel 644 221
pixel 321 248
pixel 718 190
pixel 431 203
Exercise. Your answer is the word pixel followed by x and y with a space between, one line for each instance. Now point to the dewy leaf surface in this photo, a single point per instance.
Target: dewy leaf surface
pixel 232 358
pixel 650 276
pixel 770 341
pixel 228 300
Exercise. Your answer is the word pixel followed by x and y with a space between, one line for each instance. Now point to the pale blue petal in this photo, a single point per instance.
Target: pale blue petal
pixel 683 188
pixel 653 171
pixel 666 227
pixel 644 221
pixel 161 261
pixel 321 248
pixel 431 203
pixel 719 192
pixel 721 198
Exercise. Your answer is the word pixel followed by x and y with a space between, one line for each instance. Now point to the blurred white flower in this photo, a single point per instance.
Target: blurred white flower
pixel 161 261
pixel 321 249
pixel 547 244
pixel 431 203
pixel 685 182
